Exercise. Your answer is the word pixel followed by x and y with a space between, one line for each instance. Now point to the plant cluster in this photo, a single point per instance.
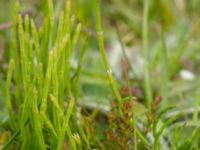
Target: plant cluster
pixel 43 90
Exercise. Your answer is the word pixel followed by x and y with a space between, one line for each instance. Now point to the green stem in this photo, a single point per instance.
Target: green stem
pixel 8 99
pixel 148 90
pixel 103 54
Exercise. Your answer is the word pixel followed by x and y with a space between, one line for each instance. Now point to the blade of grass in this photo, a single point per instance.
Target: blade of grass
pixel 148 88
pixel 103 53
pixel 49 125
pixel 65 127
pixel 28 47
pixel 76 35
pixel 22 52
pixel 36 120
pixel 51 23
pixel 15 55
pixel 47 83
pixel 164 82
pixel 36 41
pixel 8 99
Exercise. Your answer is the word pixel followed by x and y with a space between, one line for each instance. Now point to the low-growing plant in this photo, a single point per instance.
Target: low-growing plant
pixel 44 104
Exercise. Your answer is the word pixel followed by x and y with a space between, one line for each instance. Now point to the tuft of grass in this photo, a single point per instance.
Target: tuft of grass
pixel 42 75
